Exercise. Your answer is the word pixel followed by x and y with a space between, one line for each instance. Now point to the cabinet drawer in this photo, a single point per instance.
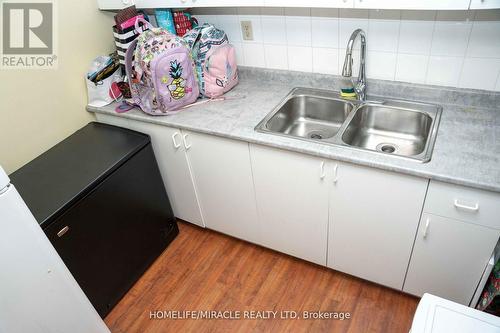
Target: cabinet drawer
pixel 462 203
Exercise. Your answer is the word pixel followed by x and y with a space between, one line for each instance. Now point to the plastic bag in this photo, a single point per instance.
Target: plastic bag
pixel 105 91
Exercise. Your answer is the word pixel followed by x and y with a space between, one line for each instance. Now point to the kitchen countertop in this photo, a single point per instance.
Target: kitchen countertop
pixel 466 151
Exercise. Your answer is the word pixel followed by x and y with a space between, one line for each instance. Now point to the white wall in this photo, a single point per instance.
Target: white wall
pixel 449 48
pixel 42 107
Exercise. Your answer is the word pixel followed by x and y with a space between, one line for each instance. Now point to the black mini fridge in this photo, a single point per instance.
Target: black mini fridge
pixel 100 199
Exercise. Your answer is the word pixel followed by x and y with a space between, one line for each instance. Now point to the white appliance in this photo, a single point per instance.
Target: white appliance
pixel 486 275
pixel 438 315
pixel 38 294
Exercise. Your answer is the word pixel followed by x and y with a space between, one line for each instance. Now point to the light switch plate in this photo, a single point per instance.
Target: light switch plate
pixel 246 30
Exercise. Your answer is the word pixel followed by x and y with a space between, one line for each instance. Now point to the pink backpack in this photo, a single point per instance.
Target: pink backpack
pixel 215 60
pixel 161 72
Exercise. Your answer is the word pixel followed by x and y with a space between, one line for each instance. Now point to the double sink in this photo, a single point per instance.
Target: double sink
pixel 393 127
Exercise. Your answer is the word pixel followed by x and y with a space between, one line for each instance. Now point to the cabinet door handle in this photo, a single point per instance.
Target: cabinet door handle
pixel 335 173
pixel 62 231
pixel 184 138
pixel 176 145
pixel 322 173
pixel 426 227
pixel 474 208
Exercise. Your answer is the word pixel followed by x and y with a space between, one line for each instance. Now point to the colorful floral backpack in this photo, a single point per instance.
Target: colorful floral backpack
pixel 161 72
pixel 215 59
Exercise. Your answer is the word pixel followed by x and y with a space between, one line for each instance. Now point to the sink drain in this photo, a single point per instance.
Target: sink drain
pixel 386 148
pixel 316 136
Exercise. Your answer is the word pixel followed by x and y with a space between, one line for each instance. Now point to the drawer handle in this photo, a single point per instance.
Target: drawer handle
pixel 322 173
pixel 186 145
pixel 176 145
pixel 474 208
pixel 335 173
pixel 62 231
pixel 426 227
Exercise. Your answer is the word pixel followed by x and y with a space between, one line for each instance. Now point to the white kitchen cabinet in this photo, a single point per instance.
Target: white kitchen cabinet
pixel 457 235
pixel 222 175
pixel 170 153
pixel 374 215
pixel 310 4
pixel 484 4
pixel 366 4
pixel 355 219
pixel 226 3
pixel 413 4
pixel 292 199
pixel 449 257
pixel 114 4
pixel 117 4
pixel 208 178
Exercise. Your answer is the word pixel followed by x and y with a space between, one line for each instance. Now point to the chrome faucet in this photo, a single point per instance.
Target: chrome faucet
pixel 360 85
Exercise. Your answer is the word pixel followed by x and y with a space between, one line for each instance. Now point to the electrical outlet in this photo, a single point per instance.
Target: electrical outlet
pixel 246 30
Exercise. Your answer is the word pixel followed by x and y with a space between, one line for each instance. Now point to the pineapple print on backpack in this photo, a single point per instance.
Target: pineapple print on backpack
pixel 174 78
pixel 177 86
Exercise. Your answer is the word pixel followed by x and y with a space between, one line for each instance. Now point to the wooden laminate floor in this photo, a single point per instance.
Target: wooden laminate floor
pixel 205 270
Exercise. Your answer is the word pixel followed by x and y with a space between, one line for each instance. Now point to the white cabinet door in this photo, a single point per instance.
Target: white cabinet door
pixel 172 161
pixel 226 3
pixel 194 3
pixel 114 4
pixel 223 179
pixel 310 4
pixel 374 215
pixel 484 4
pixel 413 4
pixel 449 258
pixel 161 3
pixel 170 153
pixel 292 198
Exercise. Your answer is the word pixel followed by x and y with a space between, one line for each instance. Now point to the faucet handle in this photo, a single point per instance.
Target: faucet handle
pixel 360 90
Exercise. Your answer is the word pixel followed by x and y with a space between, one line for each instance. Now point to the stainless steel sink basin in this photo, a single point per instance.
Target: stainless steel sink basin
pixel 307 116
pixel 394 127
pixel 388 129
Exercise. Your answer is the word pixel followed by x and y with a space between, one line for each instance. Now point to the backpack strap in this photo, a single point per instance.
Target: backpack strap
pixel 129 55
pixel 192 37
pixel 213 99
pixel 146 25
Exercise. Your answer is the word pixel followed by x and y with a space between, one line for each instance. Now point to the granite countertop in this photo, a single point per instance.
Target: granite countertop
pixel 466 151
